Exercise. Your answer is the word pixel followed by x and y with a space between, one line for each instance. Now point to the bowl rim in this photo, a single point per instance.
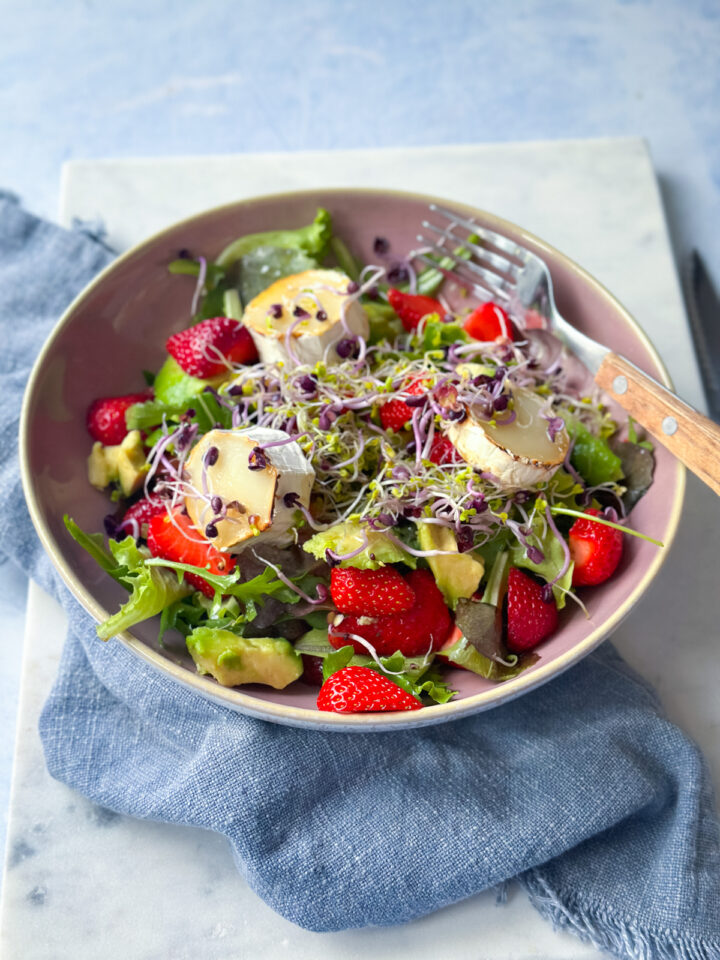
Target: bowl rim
pixel 232 697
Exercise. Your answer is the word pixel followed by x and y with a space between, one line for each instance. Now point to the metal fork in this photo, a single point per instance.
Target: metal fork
pixel 506 272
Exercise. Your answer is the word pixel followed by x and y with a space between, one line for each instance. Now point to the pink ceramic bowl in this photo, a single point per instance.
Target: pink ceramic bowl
pixel 119 325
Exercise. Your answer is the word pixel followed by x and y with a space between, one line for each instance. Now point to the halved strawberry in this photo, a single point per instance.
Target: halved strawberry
pixel 530 618
pixel 424 626
pixel 370 593
pixel 177 539
pixel 489 322
pixel 442 451
pixel 412 307
pixel 205 349
pixel 395 414
pixel 106 417
pixel 138 516
pixel 362 690
pixel 596 550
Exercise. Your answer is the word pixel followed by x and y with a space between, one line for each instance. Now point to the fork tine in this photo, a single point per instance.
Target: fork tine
pixel 497 284
pixel 493 259
pixel 482 293
pixel 496 239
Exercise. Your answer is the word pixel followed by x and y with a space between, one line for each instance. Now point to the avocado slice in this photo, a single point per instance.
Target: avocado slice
pixel 235 660
pixel 458 575
pixel 124 462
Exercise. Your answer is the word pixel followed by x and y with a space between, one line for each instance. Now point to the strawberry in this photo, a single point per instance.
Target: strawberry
pixel 412 307
pixel 442 451
pixel 177 539
pixel 362 690
pixel 205 349
pixel 489 322
pixel 425 625
pixel 530 620
pixel 395 414
pixel 138 516
pixel 106 417
pixel 370 593
pixel 596 550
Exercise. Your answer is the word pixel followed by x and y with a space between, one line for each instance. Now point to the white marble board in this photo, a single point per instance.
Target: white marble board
pixel 81 882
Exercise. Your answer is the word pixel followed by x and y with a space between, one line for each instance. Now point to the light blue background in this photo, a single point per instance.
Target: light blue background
pixel 88 79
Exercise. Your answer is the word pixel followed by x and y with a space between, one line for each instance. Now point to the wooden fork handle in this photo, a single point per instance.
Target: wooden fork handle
pixel 687 434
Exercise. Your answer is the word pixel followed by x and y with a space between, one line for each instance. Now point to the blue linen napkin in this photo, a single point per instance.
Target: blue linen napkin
pixel 582 789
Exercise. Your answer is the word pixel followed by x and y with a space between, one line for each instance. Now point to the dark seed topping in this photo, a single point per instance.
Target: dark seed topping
pixel 235 391
pixel 307 383
pixel 216 504
pixel 347 347
pixel 211 455
pixel 276 310
pixel 381 245
pixel 184 254
pixel 291 499
pixel 330 560
pixel 190 413
pixel 211 530
pixel 465 539
pixel 300 312
pixel 373 293
pixel 501 402
pixel 547 593
pixel 353 287
pixel 257 459
pixel 398 273
pixel 457 415
pixel 321 315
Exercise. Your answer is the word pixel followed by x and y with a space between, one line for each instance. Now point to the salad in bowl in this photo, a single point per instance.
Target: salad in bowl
pixel 355 477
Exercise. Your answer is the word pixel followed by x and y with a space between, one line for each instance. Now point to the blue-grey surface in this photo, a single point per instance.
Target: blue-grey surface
pixel 582 789
pixel 82 79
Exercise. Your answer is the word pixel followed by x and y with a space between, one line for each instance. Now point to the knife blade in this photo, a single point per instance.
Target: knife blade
pixel 704 312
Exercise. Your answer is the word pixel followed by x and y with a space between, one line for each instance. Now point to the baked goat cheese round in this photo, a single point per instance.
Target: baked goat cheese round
pixel 517 450
pixel 302 318
pixel 229 474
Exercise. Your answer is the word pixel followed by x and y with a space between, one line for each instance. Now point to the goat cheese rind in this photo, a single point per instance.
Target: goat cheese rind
pixel 261 513
pixel 519 453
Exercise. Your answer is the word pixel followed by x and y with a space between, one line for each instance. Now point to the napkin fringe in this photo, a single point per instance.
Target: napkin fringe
pixel 606 932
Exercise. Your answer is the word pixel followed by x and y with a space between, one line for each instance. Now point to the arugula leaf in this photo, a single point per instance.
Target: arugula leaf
pixel 94 544
pixel 250 593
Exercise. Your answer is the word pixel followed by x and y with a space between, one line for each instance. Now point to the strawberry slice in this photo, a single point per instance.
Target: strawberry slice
pixel 370 592
pixel 530 619
pixel 106 417
pixel 442 451
pixel 362 690
pixel 424 626
pixel 489 322
pixel 412 307
pixel 596 550
pixel 177 539
pixel 138 516
pixel 395 414
pixel 205 349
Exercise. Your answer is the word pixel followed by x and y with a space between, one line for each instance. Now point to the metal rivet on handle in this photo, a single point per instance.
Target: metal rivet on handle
pixel 669 426
pixel 620 385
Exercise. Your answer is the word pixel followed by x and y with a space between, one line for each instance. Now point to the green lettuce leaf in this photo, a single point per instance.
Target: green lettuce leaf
pixel 552 564
pixel 261 267
pixel 343 538
pixel 152 590
pixel 312 240
pixel 94 544
pixel 174 387
pixel 438 334
pixel 591 456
